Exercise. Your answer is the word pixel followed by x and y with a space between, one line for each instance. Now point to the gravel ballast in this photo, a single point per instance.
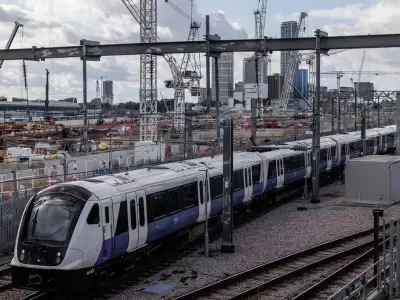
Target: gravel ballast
pixel 283 231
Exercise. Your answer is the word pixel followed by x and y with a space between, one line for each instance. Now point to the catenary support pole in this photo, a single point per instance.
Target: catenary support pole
pixel 85 119
pixel 398 123
pixel 363 131
pixel 46 102
pixel 345 116
pixel 355 110
pixel 217 99
pixel 333 119
pixel 227 245
pixel 398 258
pixel 296 125
pixel 379 112
pixel 339 127
pixel 377 214
pixel 208 67
pixel 188 139
pixel 317 119
pixel 254 107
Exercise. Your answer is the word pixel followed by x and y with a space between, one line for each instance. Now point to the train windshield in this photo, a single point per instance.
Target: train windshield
pixel 52 218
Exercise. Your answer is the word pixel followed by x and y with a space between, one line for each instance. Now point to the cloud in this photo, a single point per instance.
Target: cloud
pixel 65 22
pixel 381 17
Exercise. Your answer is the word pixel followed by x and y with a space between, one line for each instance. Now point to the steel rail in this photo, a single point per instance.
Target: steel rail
pixel 315 288
pixel 231 280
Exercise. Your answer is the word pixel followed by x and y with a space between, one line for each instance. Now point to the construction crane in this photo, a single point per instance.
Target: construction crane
pixel 189 75
pixel 377 73
pixel 146 17
pixel 149 129
pixel 293 64
pixel 261 62
pixel 11 39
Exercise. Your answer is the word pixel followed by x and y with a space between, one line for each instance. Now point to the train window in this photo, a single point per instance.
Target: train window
pixel 256 172
pixel 122 221
pixel 249 176
pixel 245 178
pixel 133 214
pixel 107 213
pixel 333 151
pixel 157 204
pixel 237 180
pixel 173 201
pixel 189 194
pixel 343 150
pixel 142 221
pixel 272 169
pixel 201 192
pixel 294 163
pixel 94 215
pixel 216 187
pixel 323 155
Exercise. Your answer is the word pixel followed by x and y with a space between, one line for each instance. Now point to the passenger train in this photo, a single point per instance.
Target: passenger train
pixel 72 232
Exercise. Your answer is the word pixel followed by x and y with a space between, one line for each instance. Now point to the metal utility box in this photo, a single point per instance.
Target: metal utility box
pixel 373 180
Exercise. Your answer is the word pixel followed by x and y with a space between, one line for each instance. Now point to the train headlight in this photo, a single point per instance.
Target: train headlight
pixel 22 255
pixel 58 258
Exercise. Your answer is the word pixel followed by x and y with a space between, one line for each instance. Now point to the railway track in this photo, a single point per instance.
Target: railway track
pixel 297 276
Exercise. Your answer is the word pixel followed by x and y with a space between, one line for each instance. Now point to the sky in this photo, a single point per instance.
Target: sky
pixel 65 22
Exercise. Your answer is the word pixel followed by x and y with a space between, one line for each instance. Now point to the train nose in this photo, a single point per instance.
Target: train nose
pixel 35 279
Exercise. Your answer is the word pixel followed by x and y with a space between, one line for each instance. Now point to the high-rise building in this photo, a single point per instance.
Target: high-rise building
pixel 365 90
pixel 225 77
pixel 239 86
pixel 249 70
pixel 107 94
pixel 255 79
pixel 275 85
pixel 300 82
pixel 288 30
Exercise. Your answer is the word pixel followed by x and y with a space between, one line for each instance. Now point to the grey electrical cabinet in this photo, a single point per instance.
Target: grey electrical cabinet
pixel 373 180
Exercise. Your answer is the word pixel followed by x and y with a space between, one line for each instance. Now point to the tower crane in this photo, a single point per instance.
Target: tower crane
pixel 293 63
pixel 146 17
pixel 177 74
pixel 261 62
pixel 189 75
pixel 17 25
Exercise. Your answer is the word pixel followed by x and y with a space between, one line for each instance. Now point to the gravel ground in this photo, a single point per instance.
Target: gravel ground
pixel 283 231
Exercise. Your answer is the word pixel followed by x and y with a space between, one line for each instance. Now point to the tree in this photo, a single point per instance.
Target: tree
pixel 3 98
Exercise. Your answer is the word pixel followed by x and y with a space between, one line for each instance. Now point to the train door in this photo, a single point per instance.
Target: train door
pixel 384 140
pixel 308 163
pixel 347 151
pixel 141 209
pixel 280 173
pixel 133 220
pixel 248 182
pixel 375 145
pixel 107 222
pixel 201 197
pixel 328 158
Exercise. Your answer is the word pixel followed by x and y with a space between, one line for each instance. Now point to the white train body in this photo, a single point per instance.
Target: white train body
pixel 70 232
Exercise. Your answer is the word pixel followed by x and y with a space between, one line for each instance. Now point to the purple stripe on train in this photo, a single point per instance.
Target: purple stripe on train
pixel 113 247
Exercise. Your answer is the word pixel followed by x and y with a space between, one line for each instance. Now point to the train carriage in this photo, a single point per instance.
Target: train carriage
pixel 72 232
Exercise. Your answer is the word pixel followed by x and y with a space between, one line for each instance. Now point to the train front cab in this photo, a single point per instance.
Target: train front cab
pixel 48 253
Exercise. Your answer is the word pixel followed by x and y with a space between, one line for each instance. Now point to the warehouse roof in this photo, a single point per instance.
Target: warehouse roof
pixel 39 105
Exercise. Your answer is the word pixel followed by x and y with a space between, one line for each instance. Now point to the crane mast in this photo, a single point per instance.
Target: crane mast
pixel 189 74
pixel 11 39
pixel 146 16
pixel 261 62
pixel 293 63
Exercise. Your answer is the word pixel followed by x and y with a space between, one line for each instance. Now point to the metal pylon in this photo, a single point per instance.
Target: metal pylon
pixel 148 72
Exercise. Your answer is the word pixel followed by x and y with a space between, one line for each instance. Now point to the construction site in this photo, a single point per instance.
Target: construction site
pixel 265 108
